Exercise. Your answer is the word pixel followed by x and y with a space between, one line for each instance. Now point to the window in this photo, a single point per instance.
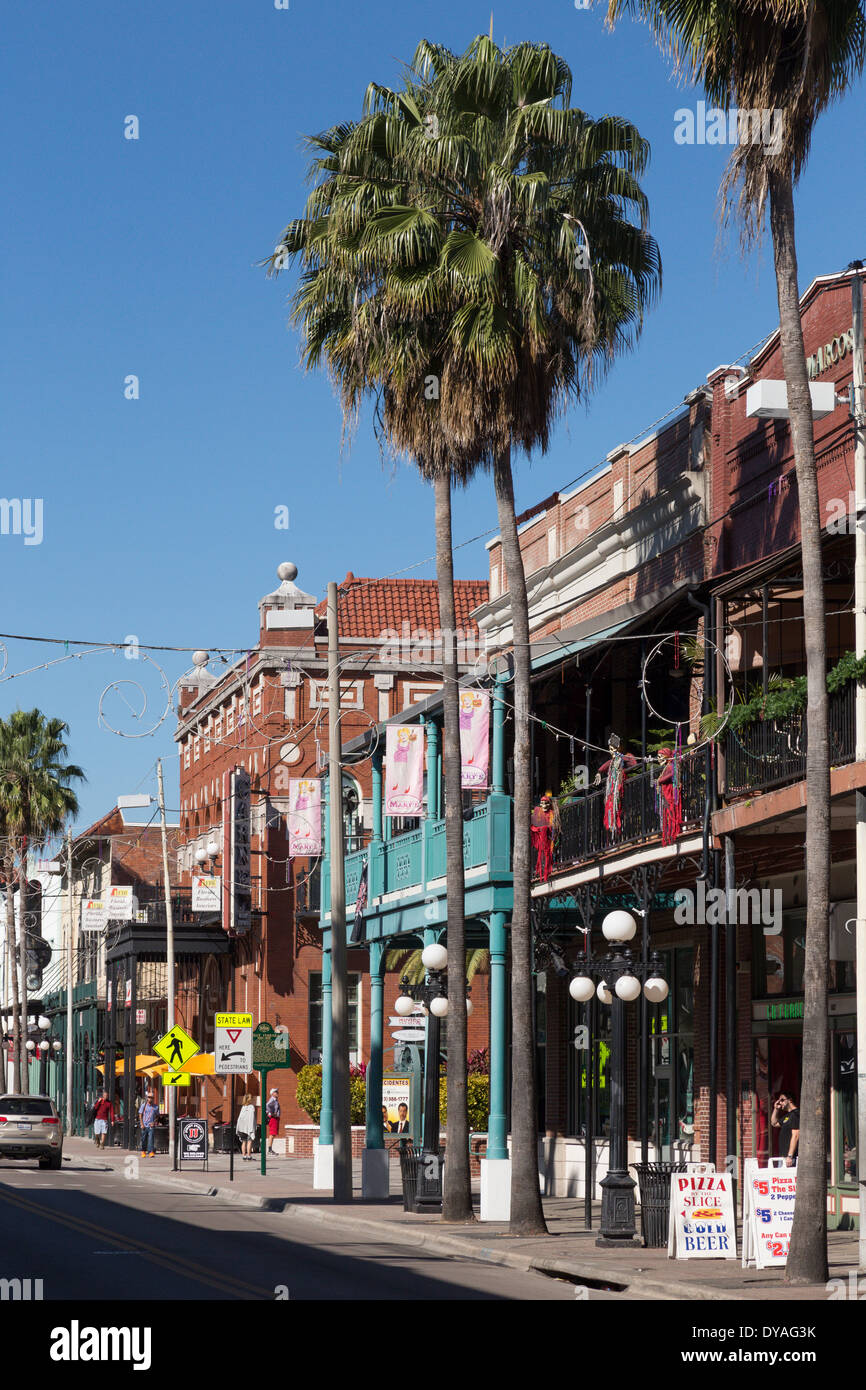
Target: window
pixel 315 1017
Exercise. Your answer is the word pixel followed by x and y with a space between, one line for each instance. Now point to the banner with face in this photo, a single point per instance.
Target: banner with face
pixel 404 779
pixel 305 817
pixel 474 732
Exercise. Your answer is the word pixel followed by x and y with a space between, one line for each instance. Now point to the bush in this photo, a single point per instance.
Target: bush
pixel 308 1093
pixel 477 1100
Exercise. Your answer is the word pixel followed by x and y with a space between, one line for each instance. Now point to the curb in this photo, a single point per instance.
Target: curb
pixel 440 1243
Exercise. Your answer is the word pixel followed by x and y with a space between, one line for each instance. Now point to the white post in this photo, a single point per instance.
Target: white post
pixel 69 976
pixel 169 954
pixel 859 403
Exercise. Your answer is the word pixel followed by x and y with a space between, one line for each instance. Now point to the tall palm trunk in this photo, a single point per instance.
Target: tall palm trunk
pixel 457 1204
pixel 22 951
pixel 12 940
pixel 527 1216
pixel 807 1260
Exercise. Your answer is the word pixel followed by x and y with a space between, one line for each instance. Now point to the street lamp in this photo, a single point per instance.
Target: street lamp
pixel 619 978
pixel 433 997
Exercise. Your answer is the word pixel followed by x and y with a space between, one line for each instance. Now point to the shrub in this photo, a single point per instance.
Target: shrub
pixel 308 1093
pixel 477 1100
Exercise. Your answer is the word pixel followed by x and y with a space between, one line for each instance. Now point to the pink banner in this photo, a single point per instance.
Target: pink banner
pixel 404 781
pixel 474 729
pixel 305 817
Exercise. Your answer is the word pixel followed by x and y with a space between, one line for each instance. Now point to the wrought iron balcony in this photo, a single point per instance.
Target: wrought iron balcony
pixel 583 833
pixel 772 752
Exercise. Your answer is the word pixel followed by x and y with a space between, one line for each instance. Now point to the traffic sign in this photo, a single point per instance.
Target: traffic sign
pixel 176 1048
pixel 409 1035
pixel 233 1043
pixel 270 1048
pixel 176 1078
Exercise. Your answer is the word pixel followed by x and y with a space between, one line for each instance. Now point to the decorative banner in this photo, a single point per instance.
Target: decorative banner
pixel 768 1213
pixel 236 885
pixel 121 902
pixel 474 731
pixel 404 785
pixel 129 994
pixel 305 817
pixel 702 1222
pixel 94 915
pixel 206 893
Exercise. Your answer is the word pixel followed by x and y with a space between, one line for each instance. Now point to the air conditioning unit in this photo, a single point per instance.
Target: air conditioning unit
pixel 768 399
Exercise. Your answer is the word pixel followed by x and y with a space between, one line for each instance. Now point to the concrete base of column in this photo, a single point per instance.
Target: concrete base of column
pixel 495 1189
pixel 323 1166
pixel 375 1173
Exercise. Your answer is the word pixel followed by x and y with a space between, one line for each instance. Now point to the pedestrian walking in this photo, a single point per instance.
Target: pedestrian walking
pixel 246 1127
pixel 273 1113
pixel 147 1115
pixel 103 1115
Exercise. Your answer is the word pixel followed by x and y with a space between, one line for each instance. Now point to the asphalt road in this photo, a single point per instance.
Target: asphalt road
pixel 95 1235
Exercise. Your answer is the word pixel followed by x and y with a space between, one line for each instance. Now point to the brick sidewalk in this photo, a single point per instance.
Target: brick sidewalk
pixel 568 1249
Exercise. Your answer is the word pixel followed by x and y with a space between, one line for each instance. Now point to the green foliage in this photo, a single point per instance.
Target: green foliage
pixel 849 668
pixel 477 1100
pixel 784 698
pixel 308 1094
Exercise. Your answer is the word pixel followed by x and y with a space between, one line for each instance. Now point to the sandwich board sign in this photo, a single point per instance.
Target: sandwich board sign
pixel 768 1210
pixel 702 1223
pixel 193 1141
pixel 233 1043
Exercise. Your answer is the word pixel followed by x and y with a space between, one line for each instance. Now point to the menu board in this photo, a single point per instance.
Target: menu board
pixel 702 1221
pixel 770 1194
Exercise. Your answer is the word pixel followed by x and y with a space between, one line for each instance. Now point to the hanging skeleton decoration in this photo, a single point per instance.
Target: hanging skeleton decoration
pixel 545 830
pixel 668 793
pixel 616 768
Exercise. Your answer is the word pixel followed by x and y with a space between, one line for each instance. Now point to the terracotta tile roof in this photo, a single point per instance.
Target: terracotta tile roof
pixel 368 606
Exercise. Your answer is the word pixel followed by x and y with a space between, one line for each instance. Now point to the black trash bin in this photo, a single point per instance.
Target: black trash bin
pixel 222 1139
pixel 412 1162
pixel 408 1173
pixel 654 1182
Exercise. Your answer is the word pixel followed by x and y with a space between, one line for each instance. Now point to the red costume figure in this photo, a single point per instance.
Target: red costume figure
pixel 615 768
pixel 545 832
pixel 669 799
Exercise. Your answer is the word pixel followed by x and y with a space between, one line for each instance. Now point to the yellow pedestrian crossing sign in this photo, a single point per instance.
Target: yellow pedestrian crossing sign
pixel 176 1078
pixel 175 1048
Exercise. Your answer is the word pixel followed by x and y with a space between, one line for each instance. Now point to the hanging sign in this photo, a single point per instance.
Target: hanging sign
pixel 305 817
pixel 702 1223
pixel 94 915
pixel 236 883
pixel 404 785
pixel 770 1194
pixel 120 902
pixel 474 744
pixel 206 893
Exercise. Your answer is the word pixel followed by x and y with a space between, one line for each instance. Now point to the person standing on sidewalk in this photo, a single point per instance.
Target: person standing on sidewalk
pixel 786 1118
pixel 246 1127
pixel 147 1114
pixel 273 1113
pixel 103 1115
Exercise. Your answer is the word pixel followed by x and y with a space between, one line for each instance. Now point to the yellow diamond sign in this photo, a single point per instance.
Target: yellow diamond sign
pixel 175 1048
pixel 176 1078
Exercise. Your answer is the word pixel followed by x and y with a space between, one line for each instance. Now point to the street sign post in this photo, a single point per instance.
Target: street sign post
pixel 233 1043
pixel 270 1053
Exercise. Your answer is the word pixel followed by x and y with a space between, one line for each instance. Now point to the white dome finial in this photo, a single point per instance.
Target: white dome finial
pixel 200 658
pixel 287 571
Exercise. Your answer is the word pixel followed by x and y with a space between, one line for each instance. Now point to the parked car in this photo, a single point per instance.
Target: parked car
pixel 30 1128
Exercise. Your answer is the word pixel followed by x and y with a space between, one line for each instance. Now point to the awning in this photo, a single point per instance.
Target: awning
pixel 552 648
pixel 201 1065
pixel 142 1062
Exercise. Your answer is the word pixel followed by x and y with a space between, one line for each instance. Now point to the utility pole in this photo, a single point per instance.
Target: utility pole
pixel 169 955
pixel 340 994
pixel 859 412
pixel 69 986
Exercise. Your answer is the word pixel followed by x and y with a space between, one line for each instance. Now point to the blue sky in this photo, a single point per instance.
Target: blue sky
pixel 139 257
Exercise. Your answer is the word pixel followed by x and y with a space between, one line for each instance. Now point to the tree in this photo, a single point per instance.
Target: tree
pixel 508 227
pixel 35 799
pixel 790 58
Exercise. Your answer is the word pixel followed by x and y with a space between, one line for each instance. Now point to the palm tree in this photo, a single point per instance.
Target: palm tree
pixel 795 57
pixel 507 225
pixel 408 963
pixel 35 799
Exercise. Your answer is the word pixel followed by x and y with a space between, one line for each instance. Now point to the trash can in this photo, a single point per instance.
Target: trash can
pixel 222 1139
pixel 412 1164
pixel 654 1182
pixel 409 1174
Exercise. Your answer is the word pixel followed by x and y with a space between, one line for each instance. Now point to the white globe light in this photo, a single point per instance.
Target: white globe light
pixel 581 988
pixel 434 957
pixel 618 926
pixel 439 1006
pixel 57 1045
pixel 200 657
pixel 200 855
pixel 30 1044
pixel 656 989
pixel 43 1022
pixel 43 1046
pixel 627 987
pixel 213 849
pixel 469 1007
pixel 404 1005
pixel 604 993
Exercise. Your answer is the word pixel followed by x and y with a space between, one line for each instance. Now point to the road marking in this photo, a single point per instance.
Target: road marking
pixel 176 1264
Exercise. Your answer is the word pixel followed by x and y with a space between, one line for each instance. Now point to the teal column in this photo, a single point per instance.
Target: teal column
pixel 434 771
pixel 497 1132
pixel 326 1119
pixel 375 1131
pixel 498 771
pixel 377 795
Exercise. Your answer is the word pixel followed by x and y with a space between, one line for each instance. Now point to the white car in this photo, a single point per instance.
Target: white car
pixel 30 1128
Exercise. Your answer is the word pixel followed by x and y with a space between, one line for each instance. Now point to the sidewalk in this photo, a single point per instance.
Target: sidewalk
pixel 569 1249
